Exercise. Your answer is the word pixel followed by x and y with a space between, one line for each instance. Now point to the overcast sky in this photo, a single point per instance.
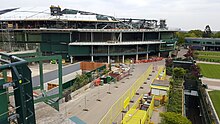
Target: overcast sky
pixel 184 14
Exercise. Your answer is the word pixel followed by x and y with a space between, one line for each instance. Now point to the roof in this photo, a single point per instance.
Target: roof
pixel 42 13
pixel 114 43
pixel 201 39
pixel 165 83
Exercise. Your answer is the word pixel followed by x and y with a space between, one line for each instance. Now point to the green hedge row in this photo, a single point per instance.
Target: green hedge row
pixel 175 96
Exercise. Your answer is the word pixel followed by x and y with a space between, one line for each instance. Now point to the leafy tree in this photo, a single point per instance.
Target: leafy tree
pixel 178 72
pixel 196 33
pixel 181 37
pixel 216 35
pixel 173 118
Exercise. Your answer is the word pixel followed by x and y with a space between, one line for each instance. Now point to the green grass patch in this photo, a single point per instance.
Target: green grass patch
pixel 208 56
pixel 210 70
pixel 215 96
pixel 208 53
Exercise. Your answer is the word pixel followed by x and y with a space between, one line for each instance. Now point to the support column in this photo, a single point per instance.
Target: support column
pixel 25 38
pixel 108 56
pixel 137 53
pixel 92 59
pixel 108 59
pixel 70 37
pixel 92 53
pixel 120 37
pixel 71 59
pixel 92 38
pixel 136 57
pixel 143 36
pixel 123 58
pixel 147 57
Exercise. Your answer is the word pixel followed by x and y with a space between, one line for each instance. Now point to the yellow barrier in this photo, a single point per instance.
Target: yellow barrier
pixel 150 111
pixel 145 119
pixel 121 103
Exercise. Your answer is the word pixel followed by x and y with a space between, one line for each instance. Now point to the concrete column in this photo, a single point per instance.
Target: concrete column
pixel 92 38
pixel 25 38
pixel 108 55
pixel 108 59
pixel 92 59
pixel 136 57
pixel 147 57
pixel 143 36
pixel 92 53
pixel 70 37
pixel 123 58
pixel 71 59
pixel 120 37
pixel 137 52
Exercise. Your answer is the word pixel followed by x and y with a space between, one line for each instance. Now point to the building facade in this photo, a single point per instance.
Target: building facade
pixel 207 44
pixel 79 35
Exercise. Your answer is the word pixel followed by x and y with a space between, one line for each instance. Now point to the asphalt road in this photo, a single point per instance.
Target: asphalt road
pixel 54 74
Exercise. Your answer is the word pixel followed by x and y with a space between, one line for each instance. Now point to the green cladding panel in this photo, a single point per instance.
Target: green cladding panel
pixel 3 104
pixel 60 47
pixel 167 35
pixel 19 37
pixel 34 37
pixel 79 50
pixel 45 47
pixel 56 37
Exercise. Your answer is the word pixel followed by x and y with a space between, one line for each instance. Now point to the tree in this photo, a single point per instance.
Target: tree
pixel 173 118
pixel 207 32
pixel 196 33
pixel 178 72
pixel 216 35
pixel 181 37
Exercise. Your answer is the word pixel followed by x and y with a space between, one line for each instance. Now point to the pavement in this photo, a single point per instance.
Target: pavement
pixel 213 84
pixel 145 90
pixel 181 53
pixel 88 98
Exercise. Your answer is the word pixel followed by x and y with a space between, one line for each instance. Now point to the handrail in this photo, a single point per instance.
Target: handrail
pixel 9 64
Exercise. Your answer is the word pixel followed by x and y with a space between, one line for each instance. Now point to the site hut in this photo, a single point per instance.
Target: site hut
pixel 160 88
pixel 79 35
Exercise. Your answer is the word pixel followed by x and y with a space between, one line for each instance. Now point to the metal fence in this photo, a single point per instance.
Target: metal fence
pixel 124 100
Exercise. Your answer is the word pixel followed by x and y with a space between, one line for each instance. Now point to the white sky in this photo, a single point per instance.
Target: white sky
pixel 184 14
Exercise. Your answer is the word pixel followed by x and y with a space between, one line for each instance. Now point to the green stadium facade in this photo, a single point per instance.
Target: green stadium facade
pixel 79 35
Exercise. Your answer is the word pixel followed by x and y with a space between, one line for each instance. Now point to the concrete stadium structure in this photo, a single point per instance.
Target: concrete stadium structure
pixel 80 35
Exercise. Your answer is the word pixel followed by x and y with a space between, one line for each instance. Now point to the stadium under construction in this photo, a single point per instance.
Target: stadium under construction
pixel 79 35
pixel 36 80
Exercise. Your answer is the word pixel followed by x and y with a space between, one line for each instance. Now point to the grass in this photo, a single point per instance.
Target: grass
pixel 215 96
pixel 208 53
pixel 209 56
pixel 210 70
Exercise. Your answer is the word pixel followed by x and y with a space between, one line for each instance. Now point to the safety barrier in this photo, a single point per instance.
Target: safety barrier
pixel 124 100
pixel 150 111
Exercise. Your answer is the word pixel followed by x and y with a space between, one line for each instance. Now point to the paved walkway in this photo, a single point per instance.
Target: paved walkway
pixel 145 90
pixel 213 84
pixel 88 99
pixel 208 62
